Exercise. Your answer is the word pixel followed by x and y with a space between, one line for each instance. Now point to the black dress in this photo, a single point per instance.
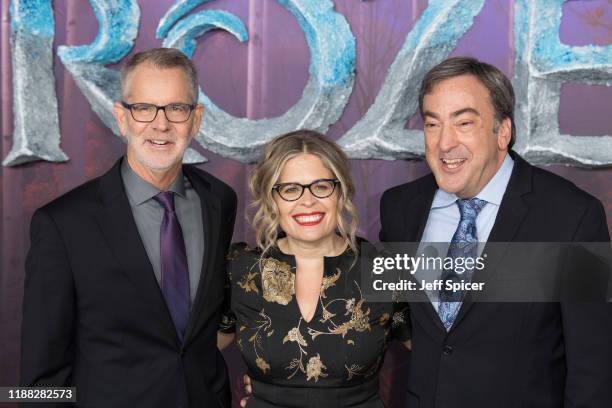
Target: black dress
pixel 331 361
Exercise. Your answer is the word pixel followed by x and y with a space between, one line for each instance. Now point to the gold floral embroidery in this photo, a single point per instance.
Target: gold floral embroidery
pixel 262 364
pixel 359 320
pixel 264 325
pixel 353 370
pixel 358 370
pixel 329 281
pixel 236 250
pixel 344 319
pixel 315 368
pixel 296 364
pixel 326 315
pixel 248 282
pixel 277 281
pixel 295 335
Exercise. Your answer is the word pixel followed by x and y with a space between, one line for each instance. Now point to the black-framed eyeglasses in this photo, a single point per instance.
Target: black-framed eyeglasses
pixel 321 188
pixel 147 112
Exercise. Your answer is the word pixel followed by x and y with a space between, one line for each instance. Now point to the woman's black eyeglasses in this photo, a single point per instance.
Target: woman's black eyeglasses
pixel 321 188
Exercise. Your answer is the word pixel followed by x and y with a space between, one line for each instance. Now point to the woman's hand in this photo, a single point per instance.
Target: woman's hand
pixel 248 390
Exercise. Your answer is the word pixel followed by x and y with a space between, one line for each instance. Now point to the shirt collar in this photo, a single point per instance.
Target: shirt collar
pixel 492 193
pixel 140 190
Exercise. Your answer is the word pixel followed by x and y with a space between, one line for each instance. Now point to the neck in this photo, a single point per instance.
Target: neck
pixel 161 179
pixel 328 246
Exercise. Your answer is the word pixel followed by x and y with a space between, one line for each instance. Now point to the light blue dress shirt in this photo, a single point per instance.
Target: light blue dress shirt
pixel 444 213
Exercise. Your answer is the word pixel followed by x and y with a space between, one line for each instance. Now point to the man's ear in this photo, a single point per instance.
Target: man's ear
pixel 198 112
pixel 119 111
pixel 504 134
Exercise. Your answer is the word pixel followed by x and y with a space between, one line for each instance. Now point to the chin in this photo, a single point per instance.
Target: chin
pixel 451 187
pixel 160 165
pixel 311 236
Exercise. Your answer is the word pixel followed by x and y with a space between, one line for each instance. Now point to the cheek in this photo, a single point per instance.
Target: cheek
pixel 186 137
pixel 431 142
pixel 430 152
pixel 134 129
pixel 284 209
pixel 332 212
pixel 183 139
pixel 432 161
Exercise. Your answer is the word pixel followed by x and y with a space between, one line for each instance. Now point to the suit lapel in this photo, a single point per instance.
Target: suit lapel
pixel 119 229
pixel 421 204
pixel 416 220
pixel 510 216
pixel 211 209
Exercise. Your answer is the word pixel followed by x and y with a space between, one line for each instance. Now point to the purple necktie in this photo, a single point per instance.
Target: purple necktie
pixel 174 270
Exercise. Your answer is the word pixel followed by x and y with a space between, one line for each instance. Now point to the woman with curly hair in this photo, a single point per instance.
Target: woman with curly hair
pixel 306 331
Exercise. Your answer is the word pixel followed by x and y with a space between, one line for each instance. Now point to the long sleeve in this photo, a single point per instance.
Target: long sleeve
pixel 47 340
pixel 587 328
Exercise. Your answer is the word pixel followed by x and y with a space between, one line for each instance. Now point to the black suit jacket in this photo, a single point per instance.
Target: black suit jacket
pixel 540 355
pixel 94 316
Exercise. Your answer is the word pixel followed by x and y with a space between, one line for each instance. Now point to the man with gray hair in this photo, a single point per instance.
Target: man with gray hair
pixel 125 274
pixel 467 354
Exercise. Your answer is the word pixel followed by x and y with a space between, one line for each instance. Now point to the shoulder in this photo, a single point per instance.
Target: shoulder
pixel 217 187
pixel 545 186
pixel 241 258
pixel 239 250
pixel 556 200
pixel 408 190
pixel 82 197
pixel 552 186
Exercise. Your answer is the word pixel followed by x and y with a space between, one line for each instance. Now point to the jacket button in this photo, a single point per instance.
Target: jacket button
pixel 447 350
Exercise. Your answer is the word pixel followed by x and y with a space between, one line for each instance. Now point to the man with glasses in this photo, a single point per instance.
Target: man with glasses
pixel 125 274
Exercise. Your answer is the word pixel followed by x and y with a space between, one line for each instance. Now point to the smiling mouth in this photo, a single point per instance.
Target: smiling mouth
pixel 452 164
pixel 308 220
pixel 158 143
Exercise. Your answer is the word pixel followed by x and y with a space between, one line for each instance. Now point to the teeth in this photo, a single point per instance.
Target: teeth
pixel 309 218
pixel 453 163
pixel 159 142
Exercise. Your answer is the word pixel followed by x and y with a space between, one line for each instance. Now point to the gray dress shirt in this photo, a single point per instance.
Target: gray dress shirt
pixel 149 214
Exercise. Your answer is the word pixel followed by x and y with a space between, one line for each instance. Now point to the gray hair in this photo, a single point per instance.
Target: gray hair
pixel 499 86
pixel 163 58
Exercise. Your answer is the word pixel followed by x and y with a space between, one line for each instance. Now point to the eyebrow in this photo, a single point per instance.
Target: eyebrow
pixel 454 114
pixel 431 114
pixel 465 110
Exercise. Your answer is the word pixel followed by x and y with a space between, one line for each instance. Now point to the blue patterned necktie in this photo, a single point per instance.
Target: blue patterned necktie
pixel 464 244
pixel 174 270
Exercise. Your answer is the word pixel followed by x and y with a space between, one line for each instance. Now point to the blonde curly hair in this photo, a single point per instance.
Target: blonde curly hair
pixel 266 173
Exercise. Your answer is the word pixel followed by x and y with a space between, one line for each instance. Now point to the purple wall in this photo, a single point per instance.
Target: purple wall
pixel 263 78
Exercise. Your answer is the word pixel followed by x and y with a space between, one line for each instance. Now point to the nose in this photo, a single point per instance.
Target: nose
pixel 307 199
pixel 448 139
pixel 161 122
